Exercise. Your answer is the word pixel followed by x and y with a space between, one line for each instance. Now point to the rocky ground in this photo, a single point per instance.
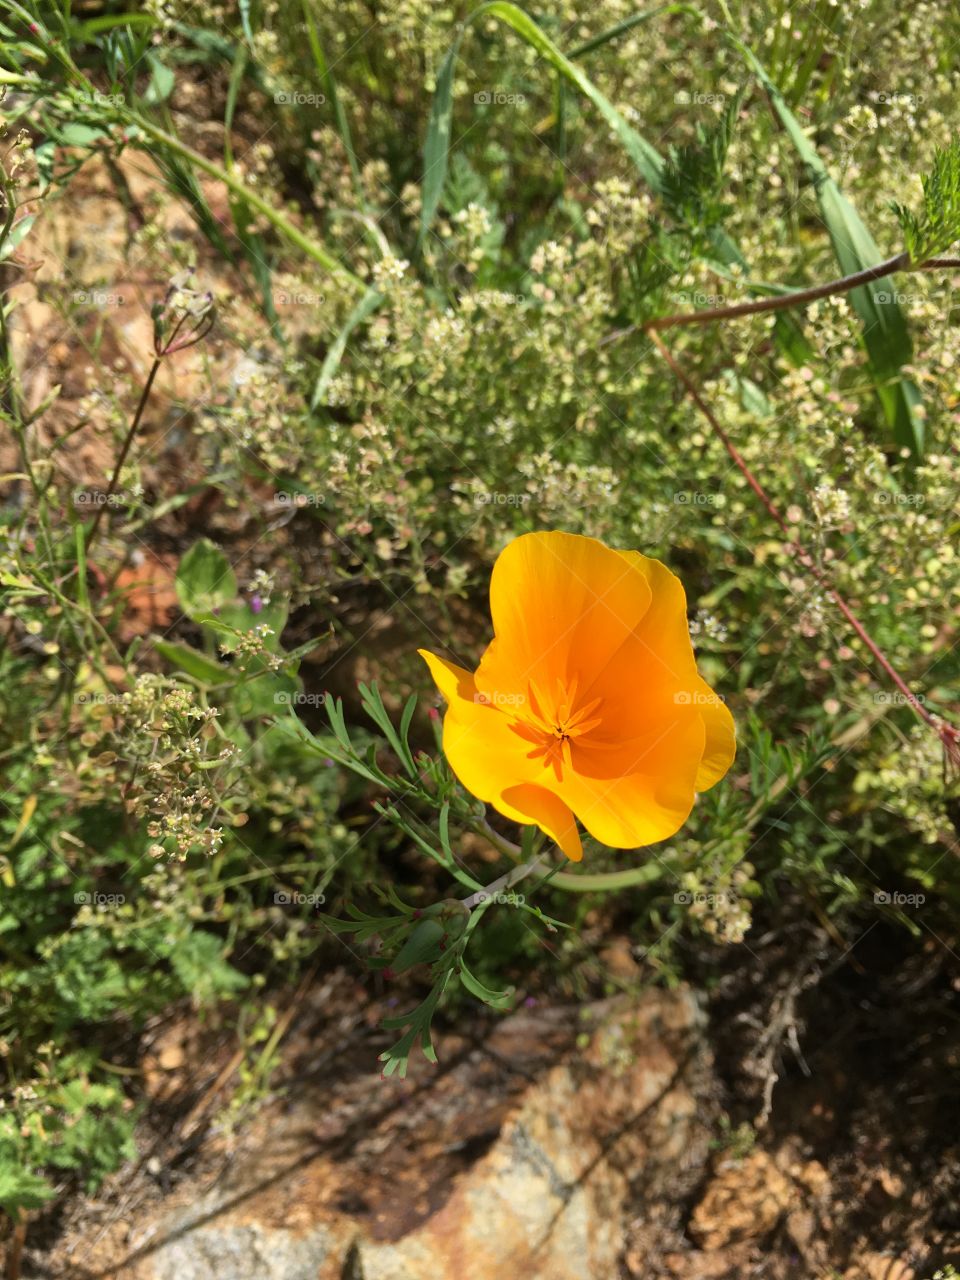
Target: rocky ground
pixel 594 1142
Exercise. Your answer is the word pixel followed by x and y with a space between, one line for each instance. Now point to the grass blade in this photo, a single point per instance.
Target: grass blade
pixel 330 89
pixel 436 152
pixel 365 307
pixel 621 28
pixel 885 331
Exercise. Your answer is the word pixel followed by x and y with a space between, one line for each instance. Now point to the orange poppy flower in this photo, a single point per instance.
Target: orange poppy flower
pixel 587 703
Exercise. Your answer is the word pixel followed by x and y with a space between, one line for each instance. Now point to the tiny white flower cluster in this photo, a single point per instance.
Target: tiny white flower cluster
pixel 389 272
pixel 831 506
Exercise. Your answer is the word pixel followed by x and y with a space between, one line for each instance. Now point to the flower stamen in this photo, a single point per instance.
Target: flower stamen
pixel 552 731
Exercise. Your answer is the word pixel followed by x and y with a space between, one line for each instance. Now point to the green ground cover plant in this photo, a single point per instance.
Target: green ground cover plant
pixel 680 280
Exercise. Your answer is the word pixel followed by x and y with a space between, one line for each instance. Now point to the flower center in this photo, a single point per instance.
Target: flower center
pixel 551 723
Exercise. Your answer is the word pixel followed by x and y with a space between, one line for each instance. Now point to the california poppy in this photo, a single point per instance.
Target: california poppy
pixel 587 702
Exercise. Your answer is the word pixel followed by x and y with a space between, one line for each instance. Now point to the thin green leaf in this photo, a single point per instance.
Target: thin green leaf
pixel 364 308
pixel 496 999
pixel 330 89
pixel 937 226
pixel 83 597
pixel 436 150
pixel 373 705
pixel 405 720
pixel 621 28
pixel 443 825
pixel 16 235
pixel 95 26
pixel 885 331
pixel 337 723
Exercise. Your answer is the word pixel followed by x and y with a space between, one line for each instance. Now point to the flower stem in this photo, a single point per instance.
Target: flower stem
pixel 505 882
pixel 125 449
pixel 799 297
pixel 574 881
pixel 947 733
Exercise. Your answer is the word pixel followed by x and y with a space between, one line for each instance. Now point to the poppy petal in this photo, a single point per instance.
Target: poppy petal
pixel 721 740
pixel 550 814
pixel 562 605
pixel 639 792
pixel 478 742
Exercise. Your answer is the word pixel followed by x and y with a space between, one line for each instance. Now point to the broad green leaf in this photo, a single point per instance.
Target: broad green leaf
pixel 236 619
pixel 193 663
pixel 266 693
pixel 162 81
pixel 16 235
pixel 79 135
pixel 204 582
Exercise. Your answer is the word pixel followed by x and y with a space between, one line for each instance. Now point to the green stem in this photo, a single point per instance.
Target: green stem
pixel 572 881
pixel 503 883
pixel 608 881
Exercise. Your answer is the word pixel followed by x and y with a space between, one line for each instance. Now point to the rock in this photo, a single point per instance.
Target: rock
pixel 518 1158
pixel 744 1201
pixel 618 959
pixel 879 1266
pixel 150 598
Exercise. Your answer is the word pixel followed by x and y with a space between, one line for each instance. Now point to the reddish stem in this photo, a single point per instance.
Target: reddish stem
pixel 948 734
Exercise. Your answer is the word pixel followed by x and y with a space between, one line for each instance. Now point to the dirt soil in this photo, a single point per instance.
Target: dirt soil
pixel 854 1172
